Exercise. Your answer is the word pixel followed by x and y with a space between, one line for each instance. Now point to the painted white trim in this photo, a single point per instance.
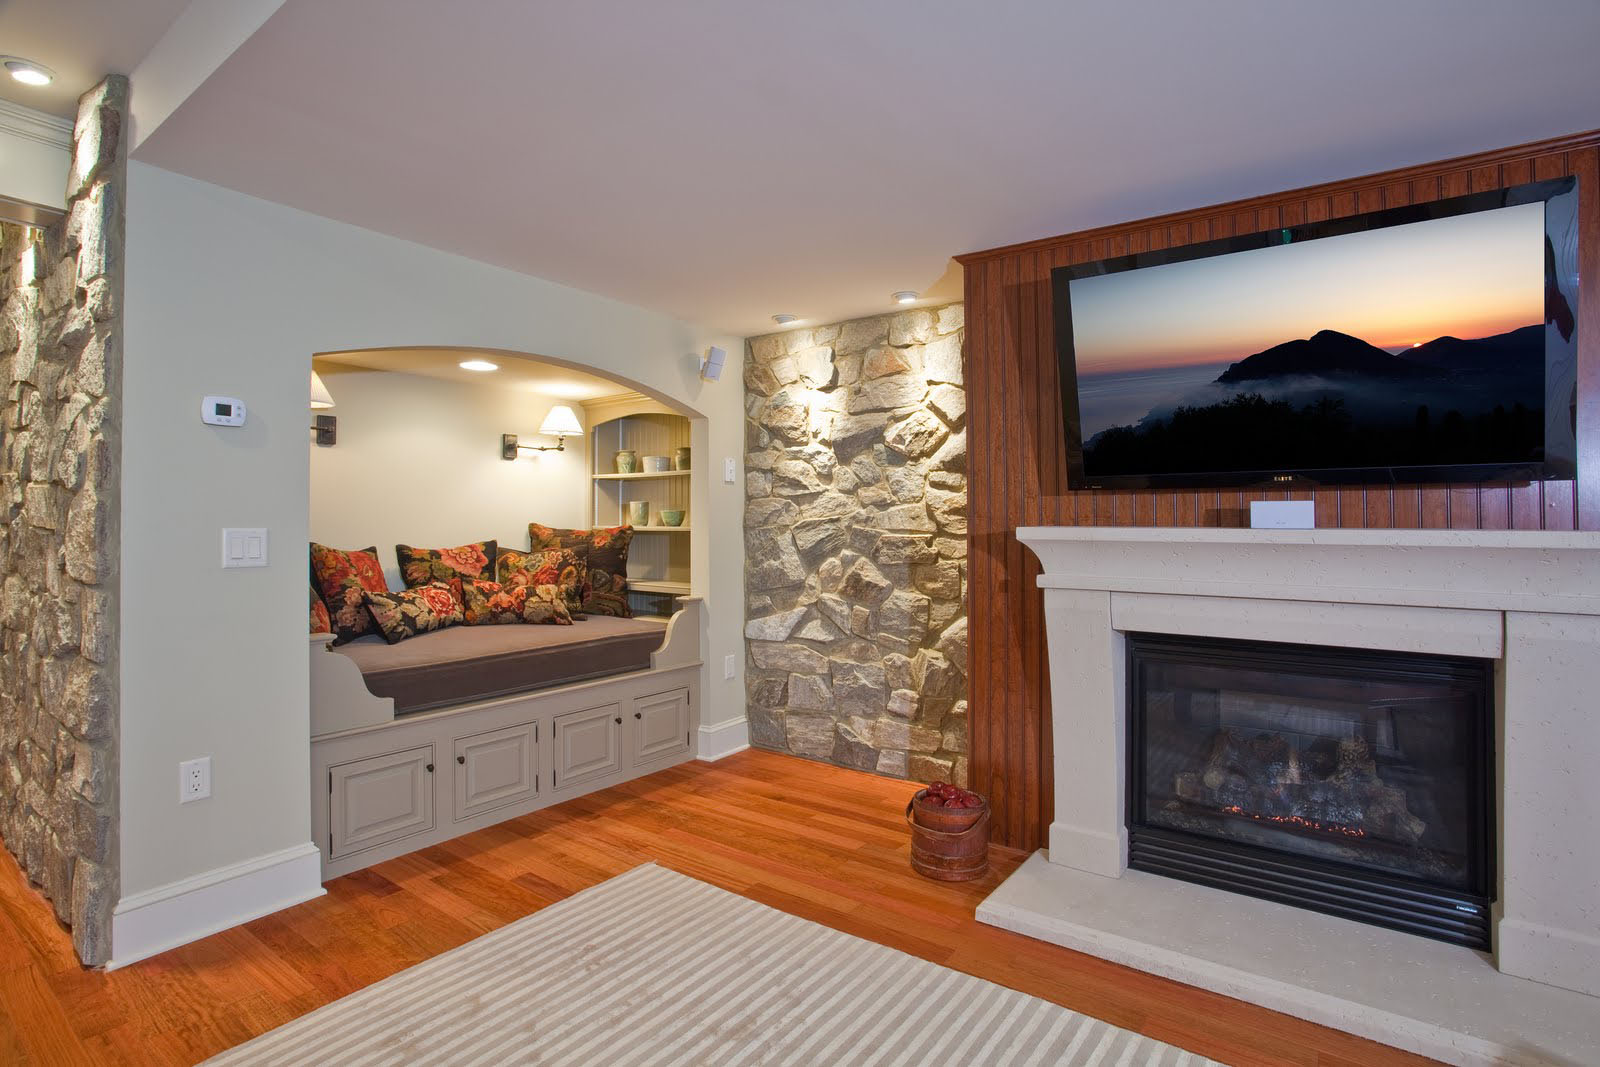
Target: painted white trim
pixel 167 916
pixel 722 739
pixel 31 125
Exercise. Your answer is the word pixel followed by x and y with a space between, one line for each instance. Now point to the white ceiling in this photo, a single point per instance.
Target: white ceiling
pixel 516 372
pixel 725 160
pixel 81 41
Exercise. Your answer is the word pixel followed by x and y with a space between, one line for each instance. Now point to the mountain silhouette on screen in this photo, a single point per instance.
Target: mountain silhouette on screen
pixel 1333 401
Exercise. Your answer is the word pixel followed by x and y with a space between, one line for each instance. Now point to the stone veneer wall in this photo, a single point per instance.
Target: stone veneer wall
pixel 856 541
pixel 60 456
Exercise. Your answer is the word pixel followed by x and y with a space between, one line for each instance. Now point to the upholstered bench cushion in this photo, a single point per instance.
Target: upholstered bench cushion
pixel 466 663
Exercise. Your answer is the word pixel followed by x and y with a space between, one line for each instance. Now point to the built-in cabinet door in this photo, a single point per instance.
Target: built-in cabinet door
pixel 373 801
pixel 587 745
pixel 660 726
pixel 495 769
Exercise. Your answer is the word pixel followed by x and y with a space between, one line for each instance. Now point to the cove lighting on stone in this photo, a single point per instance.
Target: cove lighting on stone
pixel 481 366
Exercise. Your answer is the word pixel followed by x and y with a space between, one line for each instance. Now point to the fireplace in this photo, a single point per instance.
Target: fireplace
pixel 1349 781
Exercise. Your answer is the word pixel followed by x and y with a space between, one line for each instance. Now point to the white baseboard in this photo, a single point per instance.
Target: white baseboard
pixel 722 739
pixel 167 916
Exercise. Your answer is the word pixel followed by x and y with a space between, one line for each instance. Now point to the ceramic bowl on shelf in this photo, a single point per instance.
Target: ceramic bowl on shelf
pixel 639 512
pixel 670 517
pixel 657 464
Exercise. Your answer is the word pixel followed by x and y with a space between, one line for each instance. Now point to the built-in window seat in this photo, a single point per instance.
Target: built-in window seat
pixel 444 733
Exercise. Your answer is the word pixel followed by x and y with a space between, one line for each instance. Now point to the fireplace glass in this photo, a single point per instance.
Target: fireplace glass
pixel 1348 781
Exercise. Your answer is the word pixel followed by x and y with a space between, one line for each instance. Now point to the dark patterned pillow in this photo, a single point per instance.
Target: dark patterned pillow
pixel 320 623
pixel 604 552
pixel 419 566
pixel 560 567
pixel 492 604
pixel 342 578
pixel 541 536
pixel 409 612
pixel 607 593
pixel 545 604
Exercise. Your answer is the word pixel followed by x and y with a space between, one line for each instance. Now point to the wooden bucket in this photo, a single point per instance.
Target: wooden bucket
pixel 950 855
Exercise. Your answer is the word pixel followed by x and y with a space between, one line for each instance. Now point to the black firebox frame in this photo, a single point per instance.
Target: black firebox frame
pixel 1445 913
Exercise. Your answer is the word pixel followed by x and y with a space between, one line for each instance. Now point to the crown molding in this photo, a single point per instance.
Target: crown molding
pixel 32 125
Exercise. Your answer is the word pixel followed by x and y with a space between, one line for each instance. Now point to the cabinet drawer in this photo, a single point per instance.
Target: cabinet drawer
pixel 660 726
pixel 380 799
pixel 587 745
pixel 496 768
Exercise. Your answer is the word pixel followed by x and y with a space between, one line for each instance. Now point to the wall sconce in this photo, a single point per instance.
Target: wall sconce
pixel 324 428
pixel 561 423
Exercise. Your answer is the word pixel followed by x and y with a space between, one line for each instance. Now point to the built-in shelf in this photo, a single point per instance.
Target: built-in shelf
pixel 640 475
pixel 645 585
pixel 658 566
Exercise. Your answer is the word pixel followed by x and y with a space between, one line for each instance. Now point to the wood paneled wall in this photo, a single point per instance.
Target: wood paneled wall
pixel 1016 462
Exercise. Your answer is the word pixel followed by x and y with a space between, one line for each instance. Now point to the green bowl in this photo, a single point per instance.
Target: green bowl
pixel 671 517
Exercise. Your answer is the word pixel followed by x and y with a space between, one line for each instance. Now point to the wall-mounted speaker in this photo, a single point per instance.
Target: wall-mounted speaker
pixel 711 366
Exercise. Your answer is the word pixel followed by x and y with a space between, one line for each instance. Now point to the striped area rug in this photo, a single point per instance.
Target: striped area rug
pixel 655 968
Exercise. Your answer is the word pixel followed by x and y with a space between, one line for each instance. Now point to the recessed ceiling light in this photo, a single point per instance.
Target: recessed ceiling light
pixel 785 320
pixel 905 296
pixel 28 72
pixel 482 366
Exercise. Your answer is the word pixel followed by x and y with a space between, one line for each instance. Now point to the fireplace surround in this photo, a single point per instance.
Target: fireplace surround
pixel 1527 603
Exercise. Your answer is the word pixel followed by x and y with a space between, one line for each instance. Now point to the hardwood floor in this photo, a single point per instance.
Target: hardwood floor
pixel 817 841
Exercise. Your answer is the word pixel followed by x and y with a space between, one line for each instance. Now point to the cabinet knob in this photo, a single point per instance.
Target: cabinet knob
pixel 430 768
pixel 461 759
pixel 619 720
pixel 638 715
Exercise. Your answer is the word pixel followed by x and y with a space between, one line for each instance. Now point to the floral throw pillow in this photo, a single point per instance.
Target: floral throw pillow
pixel 409 612
pixel 605 553
pixel 560 567
pixel 343 578
pixel 320 623
pixel 544 604
pixel 419 566
pixel 492 604
pixel 608 572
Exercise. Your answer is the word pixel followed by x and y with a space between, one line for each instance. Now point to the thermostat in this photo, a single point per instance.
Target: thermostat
pixel 222 411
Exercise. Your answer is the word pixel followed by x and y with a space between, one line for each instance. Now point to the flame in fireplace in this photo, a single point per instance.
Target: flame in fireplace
pixel 1297 821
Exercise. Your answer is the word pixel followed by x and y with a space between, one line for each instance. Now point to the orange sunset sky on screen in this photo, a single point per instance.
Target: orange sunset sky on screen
pixel 1468 276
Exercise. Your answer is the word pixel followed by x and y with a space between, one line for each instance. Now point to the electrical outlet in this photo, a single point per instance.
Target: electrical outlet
pixel 194 779
pixel 730 666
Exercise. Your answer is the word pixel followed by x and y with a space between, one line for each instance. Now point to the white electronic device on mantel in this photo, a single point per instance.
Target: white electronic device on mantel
pixel 1283 515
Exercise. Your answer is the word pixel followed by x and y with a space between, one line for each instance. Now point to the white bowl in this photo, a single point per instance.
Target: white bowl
pixel 657 464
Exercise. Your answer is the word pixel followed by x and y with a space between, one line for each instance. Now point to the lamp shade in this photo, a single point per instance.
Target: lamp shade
pixel 561 422
pixel 320 397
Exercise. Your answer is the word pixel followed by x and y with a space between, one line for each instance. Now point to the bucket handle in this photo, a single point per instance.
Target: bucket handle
pixel 978 824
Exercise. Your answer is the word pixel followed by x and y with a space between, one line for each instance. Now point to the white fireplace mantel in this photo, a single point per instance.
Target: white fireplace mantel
pixel 1530 601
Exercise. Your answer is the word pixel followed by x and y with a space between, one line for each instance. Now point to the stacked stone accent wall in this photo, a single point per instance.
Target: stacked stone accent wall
pixel 60 452
pixel 856 543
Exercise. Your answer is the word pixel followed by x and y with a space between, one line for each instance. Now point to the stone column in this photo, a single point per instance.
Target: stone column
pixel 60 466
pixel 855 532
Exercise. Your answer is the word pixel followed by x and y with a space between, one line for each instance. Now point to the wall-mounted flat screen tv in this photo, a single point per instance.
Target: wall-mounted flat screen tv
pixel 1435 342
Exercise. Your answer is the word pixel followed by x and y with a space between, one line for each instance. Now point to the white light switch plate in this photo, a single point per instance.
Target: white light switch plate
pixel 244 548
pixel 730 470
pixel 730 666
